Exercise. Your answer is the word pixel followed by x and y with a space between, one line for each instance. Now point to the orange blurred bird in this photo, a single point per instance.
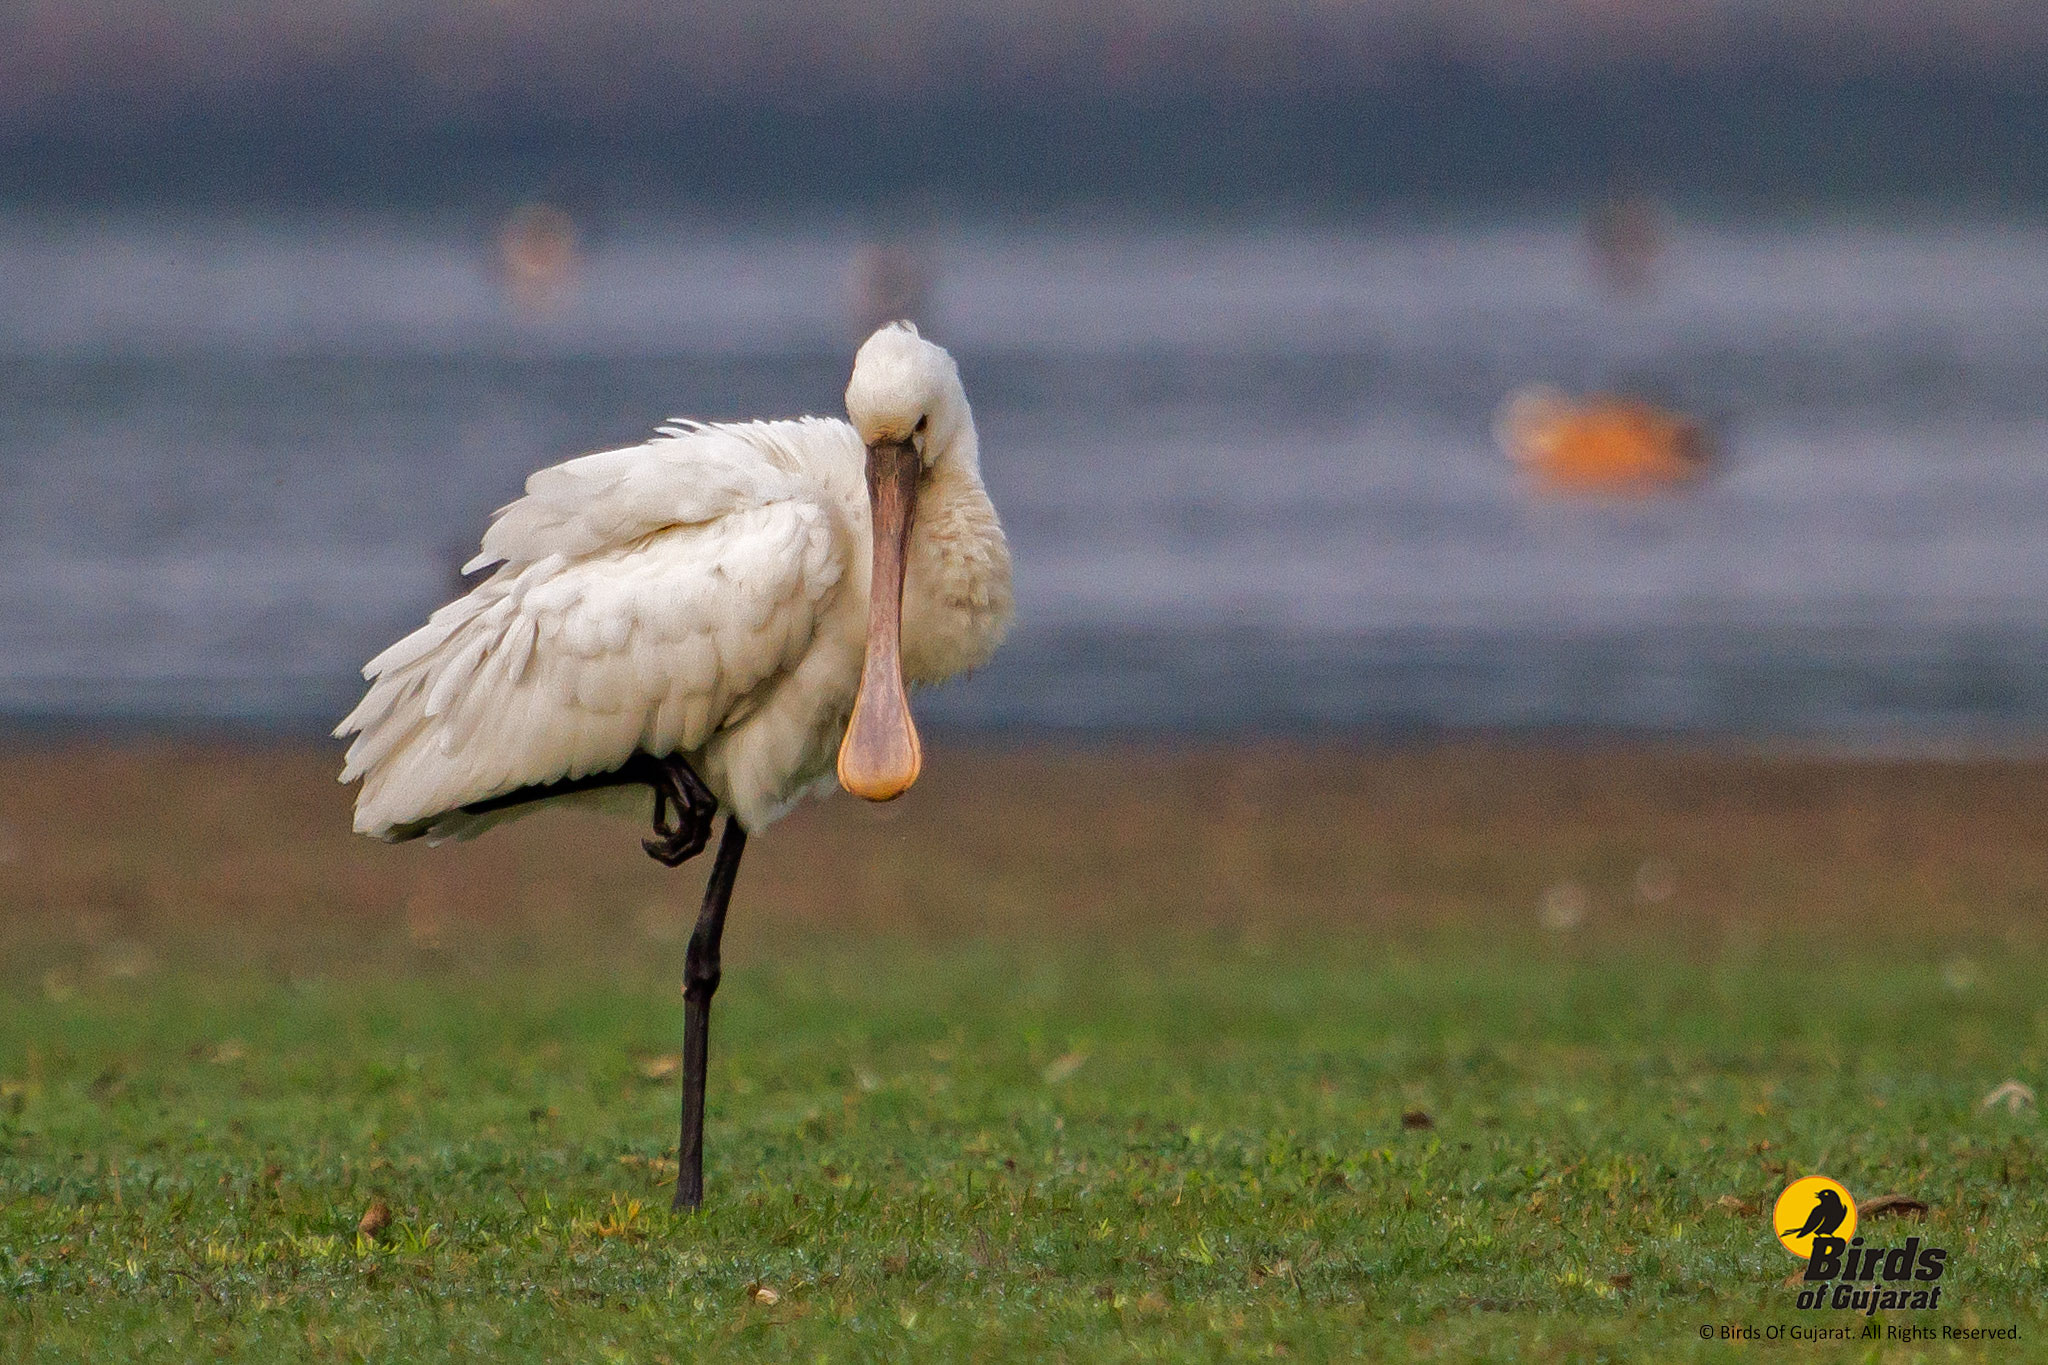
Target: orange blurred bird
pixel 1603 443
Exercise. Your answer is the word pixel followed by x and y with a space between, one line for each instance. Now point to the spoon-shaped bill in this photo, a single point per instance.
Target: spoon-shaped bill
pixel 880 756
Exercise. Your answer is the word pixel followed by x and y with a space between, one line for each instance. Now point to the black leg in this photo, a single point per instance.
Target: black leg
pixel 676 786
pixel 700 981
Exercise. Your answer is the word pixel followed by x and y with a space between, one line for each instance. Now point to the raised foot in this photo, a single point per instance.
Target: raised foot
pixel 677 788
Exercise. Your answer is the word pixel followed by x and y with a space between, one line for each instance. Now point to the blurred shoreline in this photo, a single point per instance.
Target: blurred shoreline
pixel 237 854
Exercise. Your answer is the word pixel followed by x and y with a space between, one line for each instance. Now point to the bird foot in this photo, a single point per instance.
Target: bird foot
pixel 677 786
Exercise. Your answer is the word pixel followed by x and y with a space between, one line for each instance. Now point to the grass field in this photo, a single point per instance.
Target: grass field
pixel 1468 1052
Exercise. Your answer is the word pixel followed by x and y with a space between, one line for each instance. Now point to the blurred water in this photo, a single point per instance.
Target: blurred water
pixel 1249 477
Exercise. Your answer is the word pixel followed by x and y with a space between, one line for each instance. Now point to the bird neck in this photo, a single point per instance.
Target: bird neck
pixel 956 592
pixel 958 442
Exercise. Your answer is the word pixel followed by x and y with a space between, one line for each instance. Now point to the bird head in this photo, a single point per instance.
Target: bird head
pixel 905 390
pixel 1528 424
pixel 907 405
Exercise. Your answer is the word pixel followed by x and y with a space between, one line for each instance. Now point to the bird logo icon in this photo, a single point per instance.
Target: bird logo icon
pixel 1812 1206
pixel 1828 1213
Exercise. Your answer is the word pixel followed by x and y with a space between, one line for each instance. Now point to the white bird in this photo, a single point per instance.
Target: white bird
pixel 715 614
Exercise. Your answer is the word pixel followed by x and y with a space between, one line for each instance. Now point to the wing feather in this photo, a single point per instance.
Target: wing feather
pixel 642 597
pixel 587 505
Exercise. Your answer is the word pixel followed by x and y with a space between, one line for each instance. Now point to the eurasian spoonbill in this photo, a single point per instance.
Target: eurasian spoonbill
pixel 714 614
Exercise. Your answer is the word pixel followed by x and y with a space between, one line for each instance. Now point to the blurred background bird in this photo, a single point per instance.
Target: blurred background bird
pixel 1601 443
pixel 538 256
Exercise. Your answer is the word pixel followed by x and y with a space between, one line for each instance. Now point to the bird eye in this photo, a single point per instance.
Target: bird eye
pixel 923 422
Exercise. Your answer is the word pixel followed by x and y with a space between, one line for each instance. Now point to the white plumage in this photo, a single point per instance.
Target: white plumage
pixel 704 594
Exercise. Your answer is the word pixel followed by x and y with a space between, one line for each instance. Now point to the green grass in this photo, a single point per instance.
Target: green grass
pixel 1137 1098
pixel 1007 1149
